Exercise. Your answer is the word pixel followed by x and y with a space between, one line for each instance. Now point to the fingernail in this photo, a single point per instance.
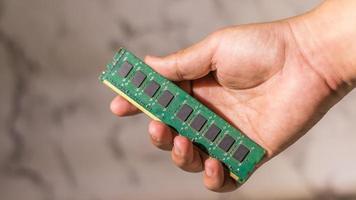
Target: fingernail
pixel 209 171
pixel 155 138
pixel 152 130
pixel 177 150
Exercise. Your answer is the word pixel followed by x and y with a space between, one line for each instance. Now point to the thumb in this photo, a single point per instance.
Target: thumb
pixel 187 64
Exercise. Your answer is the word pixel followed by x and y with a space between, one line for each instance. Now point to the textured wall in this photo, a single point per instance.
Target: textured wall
pixel 58 139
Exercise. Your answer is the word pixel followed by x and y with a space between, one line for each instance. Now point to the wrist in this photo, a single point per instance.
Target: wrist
pixel 326 39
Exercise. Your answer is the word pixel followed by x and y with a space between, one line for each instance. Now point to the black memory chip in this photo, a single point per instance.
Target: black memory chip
pixel 212 132
pixel 165 98
pixel 184 112
pixel 241 152
pixel 226 143
pixel 198 122
pixel 125 69
pixel 152 88
pixel 138 79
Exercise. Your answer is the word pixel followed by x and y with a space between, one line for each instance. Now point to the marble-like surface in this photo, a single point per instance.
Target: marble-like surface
pixel 58 139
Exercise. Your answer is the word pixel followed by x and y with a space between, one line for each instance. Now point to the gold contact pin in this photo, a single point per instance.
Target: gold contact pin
pixel 130 100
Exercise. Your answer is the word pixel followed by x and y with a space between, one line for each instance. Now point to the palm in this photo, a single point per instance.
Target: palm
pixel 268 94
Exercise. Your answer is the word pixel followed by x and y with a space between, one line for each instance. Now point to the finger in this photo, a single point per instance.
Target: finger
pixel 161 135
pixel 185 156
pixel 216 179
pixel 188 64
pixel 121 107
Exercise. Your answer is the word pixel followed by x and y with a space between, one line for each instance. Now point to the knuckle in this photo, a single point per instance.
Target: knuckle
pixel 177 64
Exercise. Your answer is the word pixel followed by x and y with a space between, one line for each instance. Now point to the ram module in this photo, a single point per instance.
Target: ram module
pixel 163 100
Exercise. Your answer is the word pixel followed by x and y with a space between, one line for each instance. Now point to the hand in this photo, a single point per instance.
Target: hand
pixel 258 78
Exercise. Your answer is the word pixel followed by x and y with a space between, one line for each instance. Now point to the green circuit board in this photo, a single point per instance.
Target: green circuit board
pixel 163 100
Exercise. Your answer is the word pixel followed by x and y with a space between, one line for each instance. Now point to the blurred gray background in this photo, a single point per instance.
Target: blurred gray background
pixel 59 141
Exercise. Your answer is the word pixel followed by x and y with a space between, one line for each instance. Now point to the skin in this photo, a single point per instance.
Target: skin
pixel 273 81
